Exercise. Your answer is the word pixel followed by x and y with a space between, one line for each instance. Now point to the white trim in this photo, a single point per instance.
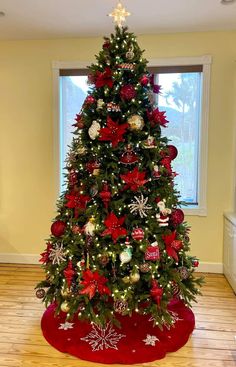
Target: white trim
pixel 207 267
pixel 11 258
pixel 56 66
pixel 179 61
pixel 206 60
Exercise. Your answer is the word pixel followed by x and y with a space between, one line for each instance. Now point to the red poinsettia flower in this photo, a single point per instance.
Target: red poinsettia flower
pixel 157 117
pixel 114 226
pixel 104 78
pixel 76 200
pixel 93 282
pixel 113 132
pixel 155 87
pixel 172 245
pixel 45 255
pixel 134 179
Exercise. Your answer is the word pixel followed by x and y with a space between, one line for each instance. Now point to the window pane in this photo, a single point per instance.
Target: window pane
pixel 180 98
pixel 73 90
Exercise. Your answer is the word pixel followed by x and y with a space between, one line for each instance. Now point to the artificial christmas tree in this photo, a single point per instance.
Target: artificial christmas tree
pixel 117 254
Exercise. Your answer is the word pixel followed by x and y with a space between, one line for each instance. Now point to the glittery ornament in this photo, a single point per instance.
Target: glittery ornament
pixel 126 280
pixel 73 177
pixel 144 80
pixel 104 259
pixel 120 306
pixel 183 272
pixel 172 151
pixel 144 268
pixel 126 255
pixel 129 156
pixel 40 293
pixel 65 307
pixel 195 263
pixel 129 54
pixel 94 129
pixel 140 206
pixel 134 277
pixel 135 122
pixel 175 289
pixel 137 234
pixel 58 228
pixel 127 92
pixel 177 217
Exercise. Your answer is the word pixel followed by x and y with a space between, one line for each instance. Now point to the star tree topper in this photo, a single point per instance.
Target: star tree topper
pixel 119 14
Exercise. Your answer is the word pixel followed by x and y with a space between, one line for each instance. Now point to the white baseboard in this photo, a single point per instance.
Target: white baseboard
pixel 11 258
pixel 207 267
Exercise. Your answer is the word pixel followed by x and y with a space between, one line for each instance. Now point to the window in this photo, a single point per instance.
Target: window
pixel 185 98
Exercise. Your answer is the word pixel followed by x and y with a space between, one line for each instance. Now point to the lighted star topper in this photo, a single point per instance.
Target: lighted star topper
pixel 119 14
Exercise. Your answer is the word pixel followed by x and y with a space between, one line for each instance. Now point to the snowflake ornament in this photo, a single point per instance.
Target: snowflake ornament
pixel 57 254
pixel 66 326
pixel 140 206
pixel 151 340
pixel 103 338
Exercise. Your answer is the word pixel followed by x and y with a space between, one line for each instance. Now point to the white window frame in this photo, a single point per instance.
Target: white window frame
pixel 205 61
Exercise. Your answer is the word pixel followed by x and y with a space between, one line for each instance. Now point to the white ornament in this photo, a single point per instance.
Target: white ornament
pixel 126 255
pixel 94 129
pixel 57 254
pixel 66 326
pixel 151 340
pixel 140 206
pixel 103 338
pixel 90 227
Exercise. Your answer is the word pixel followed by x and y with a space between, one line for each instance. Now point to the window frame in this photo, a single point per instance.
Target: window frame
pixel 205 61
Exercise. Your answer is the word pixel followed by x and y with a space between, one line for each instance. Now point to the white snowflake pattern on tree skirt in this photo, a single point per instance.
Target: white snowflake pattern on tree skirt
pixel 66 326
pixel 151 340
pixel 100 338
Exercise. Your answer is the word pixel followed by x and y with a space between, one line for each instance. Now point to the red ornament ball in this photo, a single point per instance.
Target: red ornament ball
pixel 177 217
pixel 127 92
pixel 173 151
pixel 138 234
pixel 144 80
pixel 195 263
pixel 58 228
pixel 89 100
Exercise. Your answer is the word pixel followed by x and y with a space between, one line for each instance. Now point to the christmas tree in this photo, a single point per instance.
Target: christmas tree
pixel 119 242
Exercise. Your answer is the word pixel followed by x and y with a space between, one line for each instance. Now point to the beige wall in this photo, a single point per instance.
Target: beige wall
pixel 27 184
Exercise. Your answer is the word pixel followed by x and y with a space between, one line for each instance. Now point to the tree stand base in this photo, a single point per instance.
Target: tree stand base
pixel 137 341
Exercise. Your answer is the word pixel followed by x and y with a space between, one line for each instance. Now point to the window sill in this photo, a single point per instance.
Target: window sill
pixel 194 211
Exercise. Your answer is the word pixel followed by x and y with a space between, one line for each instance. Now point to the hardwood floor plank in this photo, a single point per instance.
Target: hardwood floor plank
pixel 212 343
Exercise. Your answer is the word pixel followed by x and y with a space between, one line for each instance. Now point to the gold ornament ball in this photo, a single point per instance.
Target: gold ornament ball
pixel 126 280
pixel 136 122
pixel 134 278
pixel 96 172
pixel 65 307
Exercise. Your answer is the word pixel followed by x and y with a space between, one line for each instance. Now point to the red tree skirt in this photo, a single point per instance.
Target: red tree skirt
pixel 137 341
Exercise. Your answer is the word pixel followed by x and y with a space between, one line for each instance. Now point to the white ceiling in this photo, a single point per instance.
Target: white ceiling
pixel 40 19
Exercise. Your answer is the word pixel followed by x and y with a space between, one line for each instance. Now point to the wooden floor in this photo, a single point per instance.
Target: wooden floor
pixel 213 343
